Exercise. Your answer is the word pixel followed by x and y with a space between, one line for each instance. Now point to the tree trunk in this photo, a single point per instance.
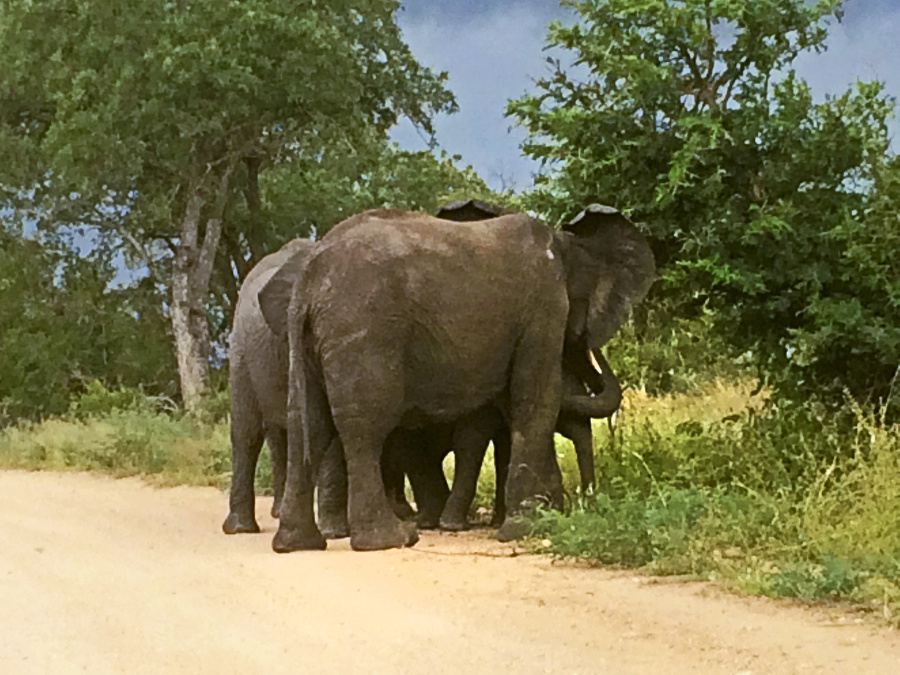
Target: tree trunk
pixel 191 272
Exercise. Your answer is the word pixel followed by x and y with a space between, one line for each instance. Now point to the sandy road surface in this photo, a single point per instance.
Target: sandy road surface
pixel 106 576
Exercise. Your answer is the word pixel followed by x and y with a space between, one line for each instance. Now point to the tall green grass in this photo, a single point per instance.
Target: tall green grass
pixel 779 499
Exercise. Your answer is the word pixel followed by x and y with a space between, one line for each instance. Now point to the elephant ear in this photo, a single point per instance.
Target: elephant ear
pixel 467 210
pixel 275 296
pixel 625 268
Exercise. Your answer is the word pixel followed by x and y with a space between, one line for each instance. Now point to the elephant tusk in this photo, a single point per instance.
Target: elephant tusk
pixel 594 361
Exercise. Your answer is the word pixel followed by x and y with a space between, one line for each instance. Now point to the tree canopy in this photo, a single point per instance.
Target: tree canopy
pixel 65 325
pixel 141 117
pixel 764 206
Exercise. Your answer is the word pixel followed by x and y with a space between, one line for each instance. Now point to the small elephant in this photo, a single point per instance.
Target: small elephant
pixel 401 320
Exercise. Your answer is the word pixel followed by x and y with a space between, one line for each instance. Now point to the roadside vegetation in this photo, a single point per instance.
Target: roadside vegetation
pixel 773 498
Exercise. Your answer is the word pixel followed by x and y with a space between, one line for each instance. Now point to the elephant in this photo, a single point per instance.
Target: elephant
pixel 258 361
pixel 402 319
pixel 468 439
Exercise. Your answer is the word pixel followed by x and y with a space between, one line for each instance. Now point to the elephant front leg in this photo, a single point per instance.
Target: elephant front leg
pixel 578 430
pixel 534 475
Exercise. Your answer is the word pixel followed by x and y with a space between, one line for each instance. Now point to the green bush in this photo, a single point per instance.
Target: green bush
pixel 783 500
pixel 123 442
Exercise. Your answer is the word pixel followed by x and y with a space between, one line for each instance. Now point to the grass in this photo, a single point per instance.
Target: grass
pixel 775 499
pixel 167 449
pixel 778 500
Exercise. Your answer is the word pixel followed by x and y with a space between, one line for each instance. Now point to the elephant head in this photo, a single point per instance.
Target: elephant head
pixel 610 269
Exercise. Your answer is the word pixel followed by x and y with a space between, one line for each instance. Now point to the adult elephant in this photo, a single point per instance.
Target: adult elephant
pixel 258 366
pixel 402 319
pixel 591 394
pixel 258 360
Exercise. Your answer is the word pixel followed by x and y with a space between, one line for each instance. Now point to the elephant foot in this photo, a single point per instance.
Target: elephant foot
pixel 376 539
pixel 454 524
pixel 403 510
pixel 334 529
pixel 276 509
pixel 236 523
pixel 427 521
pixel 514 528
pixel 287 540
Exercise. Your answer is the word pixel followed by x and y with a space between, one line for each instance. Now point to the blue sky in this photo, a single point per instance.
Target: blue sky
pixel 492 50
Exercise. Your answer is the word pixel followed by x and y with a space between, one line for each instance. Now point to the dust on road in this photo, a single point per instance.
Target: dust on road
pixel 112 576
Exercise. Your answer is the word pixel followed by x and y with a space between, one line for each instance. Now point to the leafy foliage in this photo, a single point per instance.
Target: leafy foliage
pixel 763 206
pixel 63 326
pixel 783 499
pixel 145 119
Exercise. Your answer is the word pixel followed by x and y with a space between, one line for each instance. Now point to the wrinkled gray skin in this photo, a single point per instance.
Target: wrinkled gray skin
pixel 258 360
pixel 400 320
pixel 468 440
pixel 597 396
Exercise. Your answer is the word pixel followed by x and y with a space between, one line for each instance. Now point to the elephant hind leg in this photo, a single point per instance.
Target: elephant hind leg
pixel 276 439
pixel 373 524
pixel 364 416
pixel 246 443
pixel 331 492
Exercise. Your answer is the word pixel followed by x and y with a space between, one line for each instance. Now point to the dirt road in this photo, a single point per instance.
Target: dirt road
pixel 106 576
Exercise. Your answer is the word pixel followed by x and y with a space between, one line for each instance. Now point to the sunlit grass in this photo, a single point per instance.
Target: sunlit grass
pixel 778 501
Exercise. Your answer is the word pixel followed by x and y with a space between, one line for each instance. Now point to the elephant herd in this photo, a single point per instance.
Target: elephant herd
pixel 366 357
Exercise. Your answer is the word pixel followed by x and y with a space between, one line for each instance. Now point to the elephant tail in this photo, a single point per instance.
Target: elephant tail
pixel 307 406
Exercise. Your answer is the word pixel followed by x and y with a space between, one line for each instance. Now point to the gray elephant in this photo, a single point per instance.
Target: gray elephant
pixel 401 319
pixel 258 360
pixel 597 395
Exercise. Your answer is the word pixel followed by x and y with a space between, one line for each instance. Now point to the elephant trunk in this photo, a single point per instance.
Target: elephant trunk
pixel 605 386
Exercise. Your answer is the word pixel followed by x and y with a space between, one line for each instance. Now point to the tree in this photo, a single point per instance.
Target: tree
pixel 690 118
pixel 139 117
pixel 64 326
pixel 305 193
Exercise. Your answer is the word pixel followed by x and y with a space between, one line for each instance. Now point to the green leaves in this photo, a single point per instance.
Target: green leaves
pixel 686 115
pixel 63 326
pixel 122 115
